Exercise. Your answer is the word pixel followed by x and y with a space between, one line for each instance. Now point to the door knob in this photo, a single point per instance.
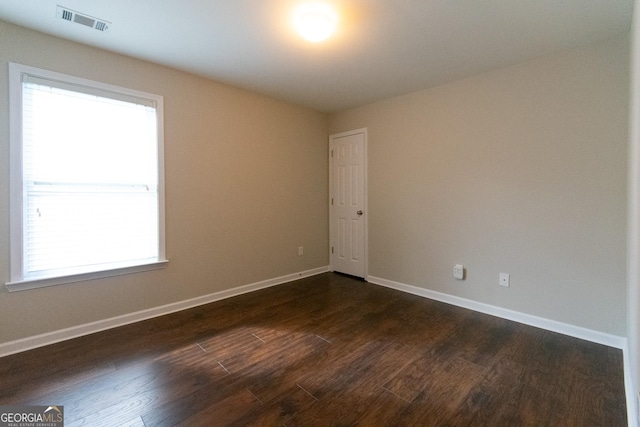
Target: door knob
pixel 359 213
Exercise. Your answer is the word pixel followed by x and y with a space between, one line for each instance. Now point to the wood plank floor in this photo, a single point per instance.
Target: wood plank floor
pixel 323 351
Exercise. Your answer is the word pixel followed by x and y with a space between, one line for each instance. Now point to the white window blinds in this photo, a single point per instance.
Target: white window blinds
pixel 90 181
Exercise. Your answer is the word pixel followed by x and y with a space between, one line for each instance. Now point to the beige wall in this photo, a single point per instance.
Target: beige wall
pixel 246 184
pixel 520 170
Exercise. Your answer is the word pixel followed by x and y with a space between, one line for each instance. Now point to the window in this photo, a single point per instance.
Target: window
pixel 86 179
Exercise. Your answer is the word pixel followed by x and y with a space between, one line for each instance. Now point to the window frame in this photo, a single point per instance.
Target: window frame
pixel 18 281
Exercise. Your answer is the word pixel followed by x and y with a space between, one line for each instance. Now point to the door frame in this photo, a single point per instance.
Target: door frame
pixel 364 132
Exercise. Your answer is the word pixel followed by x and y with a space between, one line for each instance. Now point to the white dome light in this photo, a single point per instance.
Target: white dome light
pixel 315 21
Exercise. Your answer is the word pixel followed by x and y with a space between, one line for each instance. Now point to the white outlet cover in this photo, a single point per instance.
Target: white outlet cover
pixel 504 280
pixel 458 272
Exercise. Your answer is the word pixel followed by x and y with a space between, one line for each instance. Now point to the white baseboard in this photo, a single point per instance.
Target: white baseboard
pixel 527 319
pixel 41 340
pixel 632 402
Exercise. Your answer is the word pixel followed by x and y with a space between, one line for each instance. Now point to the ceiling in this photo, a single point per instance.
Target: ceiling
pixel 383 48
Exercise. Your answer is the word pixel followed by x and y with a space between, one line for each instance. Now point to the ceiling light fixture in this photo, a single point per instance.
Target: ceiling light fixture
pixel 315 21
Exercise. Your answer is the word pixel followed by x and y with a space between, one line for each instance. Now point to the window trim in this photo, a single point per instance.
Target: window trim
pixel 23 285
pixel 16 198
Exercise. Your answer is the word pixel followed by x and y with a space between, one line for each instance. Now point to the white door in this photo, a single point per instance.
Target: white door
pixel 348 213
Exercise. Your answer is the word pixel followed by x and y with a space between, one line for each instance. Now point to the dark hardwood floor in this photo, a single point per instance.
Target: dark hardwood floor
pixel 323 351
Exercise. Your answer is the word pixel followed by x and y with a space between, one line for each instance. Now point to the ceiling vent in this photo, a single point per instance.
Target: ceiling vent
pixel 79 18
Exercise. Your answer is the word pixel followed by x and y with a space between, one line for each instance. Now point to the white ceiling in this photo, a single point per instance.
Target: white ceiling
pixel 383 48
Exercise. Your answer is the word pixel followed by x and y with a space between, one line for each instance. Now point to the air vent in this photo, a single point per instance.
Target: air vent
pixel 67 15
pixel 82 19
pixel 101 26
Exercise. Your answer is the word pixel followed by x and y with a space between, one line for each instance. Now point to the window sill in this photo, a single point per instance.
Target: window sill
pixel 23 285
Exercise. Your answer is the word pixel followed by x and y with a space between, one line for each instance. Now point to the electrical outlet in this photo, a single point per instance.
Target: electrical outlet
pixel 300 251
pixel 458 272
pixel 504 280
